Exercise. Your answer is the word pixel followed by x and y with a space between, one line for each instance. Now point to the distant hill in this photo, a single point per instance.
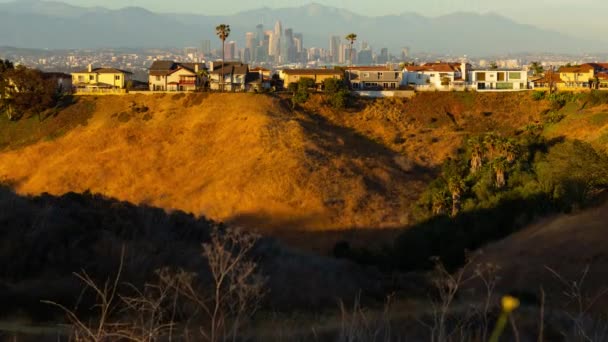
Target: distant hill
pixel 55 25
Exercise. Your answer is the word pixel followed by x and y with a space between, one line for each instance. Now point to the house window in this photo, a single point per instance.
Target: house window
pixel 158 78
pixel 91 78
pixel 501 76
pixel 481 76
pixel 117 77
pixel 80 78
pixel 418 76
pixel 515 75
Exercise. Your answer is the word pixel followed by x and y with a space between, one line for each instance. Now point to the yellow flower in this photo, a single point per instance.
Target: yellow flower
pixel 509 304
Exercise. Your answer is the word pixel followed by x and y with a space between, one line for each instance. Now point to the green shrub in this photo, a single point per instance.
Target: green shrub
pixel 539 95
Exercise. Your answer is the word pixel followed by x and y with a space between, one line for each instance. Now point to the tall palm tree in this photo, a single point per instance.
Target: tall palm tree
pixel 351 37
pixel 222 31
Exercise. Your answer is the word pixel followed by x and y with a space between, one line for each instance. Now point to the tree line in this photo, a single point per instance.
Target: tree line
pixel 26 92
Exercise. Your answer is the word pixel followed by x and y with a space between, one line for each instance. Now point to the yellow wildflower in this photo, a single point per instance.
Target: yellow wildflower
pixel 509 304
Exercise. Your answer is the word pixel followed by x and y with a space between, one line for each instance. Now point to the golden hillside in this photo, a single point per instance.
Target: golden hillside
pixel 233 157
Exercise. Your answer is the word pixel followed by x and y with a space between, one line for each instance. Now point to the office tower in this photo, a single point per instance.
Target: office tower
pixel 287 53
pixel 383 57
pixel 250 45
pixel 259 30
pixel 206 47
pixel 274 49
pixel 230 52
pixel 334 49
pixel 365 57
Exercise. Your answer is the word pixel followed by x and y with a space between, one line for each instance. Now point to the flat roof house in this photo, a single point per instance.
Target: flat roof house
pixel 373 77
pixel 317 75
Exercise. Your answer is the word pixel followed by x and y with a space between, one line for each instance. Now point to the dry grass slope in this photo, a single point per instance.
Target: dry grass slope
pixel 240 158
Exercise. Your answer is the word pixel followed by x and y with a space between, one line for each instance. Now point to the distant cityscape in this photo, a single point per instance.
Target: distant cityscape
pixel 273 48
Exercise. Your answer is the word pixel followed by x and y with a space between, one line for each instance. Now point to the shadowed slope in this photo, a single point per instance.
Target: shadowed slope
pixel 234 157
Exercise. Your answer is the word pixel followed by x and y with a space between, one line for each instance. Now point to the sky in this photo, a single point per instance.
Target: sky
pixel 582 17
pixel 366 7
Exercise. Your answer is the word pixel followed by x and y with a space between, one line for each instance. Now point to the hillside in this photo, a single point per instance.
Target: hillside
pixel 249 159
pixel 564 243
pixel 234 157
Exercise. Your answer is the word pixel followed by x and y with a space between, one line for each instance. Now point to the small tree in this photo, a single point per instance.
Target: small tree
pixel 337 92
pixel 301 90
pixel 536 68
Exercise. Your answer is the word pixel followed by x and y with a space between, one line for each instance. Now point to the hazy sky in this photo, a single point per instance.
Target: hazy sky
pixel 368 7
pixel 587 15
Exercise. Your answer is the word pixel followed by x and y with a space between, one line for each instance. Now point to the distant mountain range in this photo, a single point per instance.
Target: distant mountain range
pixel 56 25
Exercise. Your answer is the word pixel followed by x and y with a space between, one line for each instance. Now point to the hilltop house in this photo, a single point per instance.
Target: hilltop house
pixel 441 76
pixel 581 76
pixel 235 76
pixel 174 76
pixel 503 79
pixel 100 79
pixel 373 78
pixel 289 76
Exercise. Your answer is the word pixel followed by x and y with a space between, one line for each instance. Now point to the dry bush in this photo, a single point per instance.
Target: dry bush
pixel 359 325
pixel 222 307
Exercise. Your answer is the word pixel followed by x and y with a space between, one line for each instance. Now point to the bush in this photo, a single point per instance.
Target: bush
pixel 337 92
pixel 539 95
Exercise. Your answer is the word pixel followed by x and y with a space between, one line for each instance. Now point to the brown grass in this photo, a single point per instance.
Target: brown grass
pixel 233 157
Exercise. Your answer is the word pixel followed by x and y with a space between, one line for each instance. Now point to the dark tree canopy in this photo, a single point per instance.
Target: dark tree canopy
pixel 25 91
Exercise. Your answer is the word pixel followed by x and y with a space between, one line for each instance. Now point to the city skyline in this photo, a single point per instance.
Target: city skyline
pixel 546 14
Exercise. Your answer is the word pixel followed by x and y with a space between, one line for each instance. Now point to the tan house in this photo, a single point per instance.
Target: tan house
pixel 582 76
pixel 318 75
pixel 100 79
pixel 174 76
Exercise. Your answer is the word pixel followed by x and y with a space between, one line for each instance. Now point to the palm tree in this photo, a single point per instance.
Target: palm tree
pixel 351 37
pixel 456 186
pixel 500 166
pixel 222 31
pixel 477 154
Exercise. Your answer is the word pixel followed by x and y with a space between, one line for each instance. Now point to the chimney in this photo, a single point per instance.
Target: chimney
pixel 196 68
pixel 90 68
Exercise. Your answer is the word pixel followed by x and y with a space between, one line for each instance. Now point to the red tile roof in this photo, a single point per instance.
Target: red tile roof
pixel 437 67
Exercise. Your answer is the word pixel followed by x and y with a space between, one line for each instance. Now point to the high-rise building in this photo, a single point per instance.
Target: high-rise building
pixel 405 53
pixel 287 51
pixel 230 51
pixel 206 47
pixel 365 57
pixel 274 48
pixel 383 57
pixel 250 45
pixel 334 49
